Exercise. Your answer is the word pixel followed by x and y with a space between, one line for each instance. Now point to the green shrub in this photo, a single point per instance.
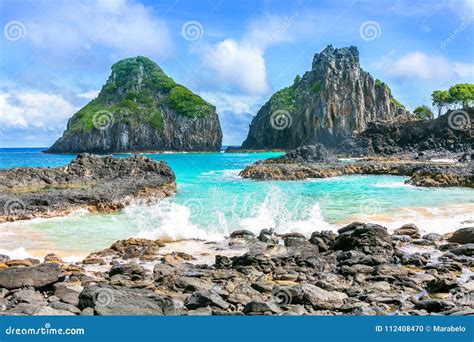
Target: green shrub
pixel 423 113
pixel 283 99
pixel 184 102
pixel 316 87
pixel 157 121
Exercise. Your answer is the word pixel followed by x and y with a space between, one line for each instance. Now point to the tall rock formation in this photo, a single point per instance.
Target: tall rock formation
pixel 334 100
pixel 140 108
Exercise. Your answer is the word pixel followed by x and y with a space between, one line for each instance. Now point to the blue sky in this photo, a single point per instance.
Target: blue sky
pixel 56 55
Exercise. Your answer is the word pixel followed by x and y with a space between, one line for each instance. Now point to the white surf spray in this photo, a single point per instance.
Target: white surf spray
pixel 169 221
pixel 277 212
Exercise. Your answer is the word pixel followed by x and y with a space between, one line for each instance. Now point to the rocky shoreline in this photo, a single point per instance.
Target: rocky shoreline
pixel 314 161
pixel 96 183
pixel 361 270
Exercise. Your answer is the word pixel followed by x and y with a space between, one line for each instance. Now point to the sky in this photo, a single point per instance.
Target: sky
pixel 55 55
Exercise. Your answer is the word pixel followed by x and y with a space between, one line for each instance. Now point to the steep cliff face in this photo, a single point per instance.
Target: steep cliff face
pixel 330 102
pixel 140 108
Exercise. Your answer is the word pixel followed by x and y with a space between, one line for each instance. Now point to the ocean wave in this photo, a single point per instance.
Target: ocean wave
pixel 16 253
pixel 439 220
pixel 169 221
pixel 400 184
pixel 226 174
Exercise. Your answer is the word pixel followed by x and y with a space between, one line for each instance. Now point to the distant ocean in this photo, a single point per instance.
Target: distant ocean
pixel 212 200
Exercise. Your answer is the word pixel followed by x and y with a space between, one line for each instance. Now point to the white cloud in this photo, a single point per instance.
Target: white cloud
pixel 272 30
pixel 89 95
pixel 241 63
pixel 238 64
pixel 235 114
pixel 418 65
pixel 464 70
pixel 464 8
pixel 235 104
pixel 126 27
pixel 34 110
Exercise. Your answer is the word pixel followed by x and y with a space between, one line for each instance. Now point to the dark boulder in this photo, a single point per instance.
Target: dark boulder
pixel 308 154
pixel 132 269
pixel 467 249
pixel 410 230
pixel 368 238
pixel 36 276
pixel 463 235
pixel 241 234
pixel 323 239
pixel 434 305
pixel 261 308
pixel 200 299
pixel 123 301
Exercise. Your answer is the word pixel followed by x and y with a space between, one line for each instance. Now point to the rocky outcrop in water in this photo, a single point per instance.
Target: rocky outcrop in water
pixel 140 108
pixel 329 103
pixel 295 166
pixel 308 154
pixel 92 182
pixel 419 139
pixel 361 270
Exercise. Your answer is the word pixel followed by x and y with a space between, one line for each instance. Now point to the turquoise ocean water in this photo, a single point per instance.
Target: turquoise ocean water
pixel 212 200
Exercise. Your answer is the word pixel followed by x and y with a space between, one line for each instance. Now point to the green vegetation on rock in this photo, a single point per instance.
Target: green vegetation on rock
pixel 183 101
pixel 396 102
pixel 316 87
pixel 423 113
pixel 157 120
pixel 459 95
pixel 380 84
pixel 139 91
pixel 283 99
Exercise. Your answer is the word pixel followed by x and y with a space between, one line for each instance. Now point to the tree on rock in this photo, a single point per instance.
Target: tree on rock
pixel 440 99
pixel 423 113
pixel 462 94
